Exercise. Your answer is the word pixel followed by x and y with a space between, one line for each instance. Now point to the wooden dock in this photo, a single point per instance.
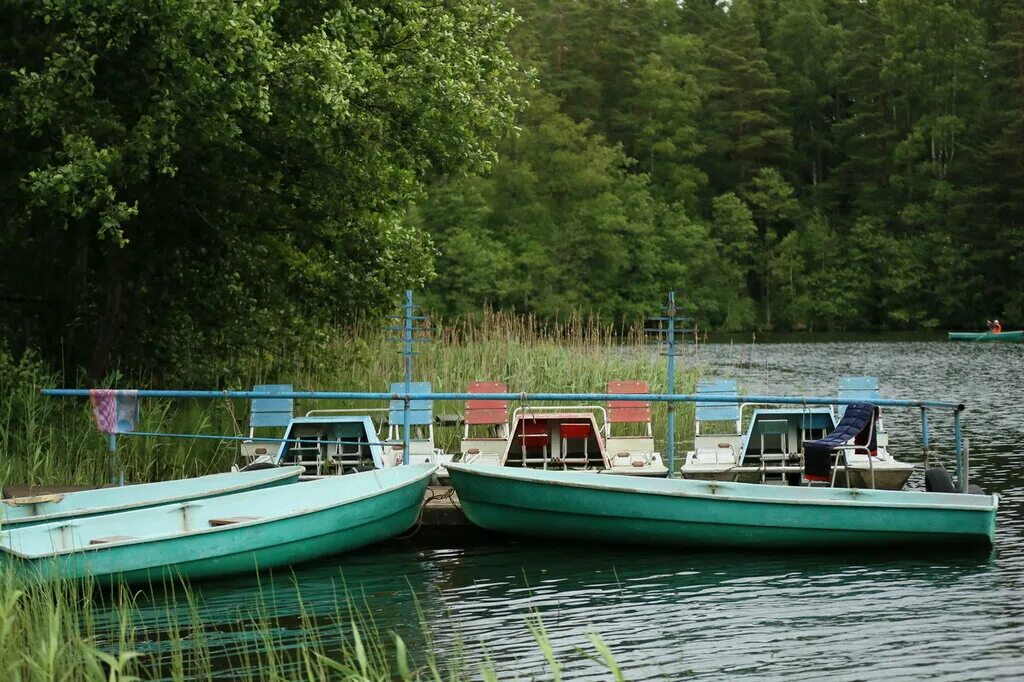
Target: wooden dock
pixel 442 519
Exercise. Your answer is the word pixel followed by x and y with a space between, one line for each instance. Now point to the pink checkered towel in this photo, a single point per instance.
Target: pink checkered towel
pixel 114 411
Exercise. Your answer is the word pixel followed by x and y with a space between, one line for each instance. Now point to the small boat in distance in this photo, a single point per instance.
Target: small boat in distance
pixel 26 511
pixel 581 506
pixel 988 337
pixel 224 535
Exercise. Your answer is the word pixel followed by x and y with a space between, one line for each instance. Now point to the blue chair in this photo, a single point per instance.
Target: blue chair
pixel 714 411
pixel 421 423
pixel 265 413
pixel 860 389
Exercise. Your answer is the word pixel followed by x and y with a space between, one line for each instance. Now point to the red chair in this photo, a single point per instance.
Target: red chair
pixel 628 411
pixel 534 434
pixel 493 413
pixel 567 431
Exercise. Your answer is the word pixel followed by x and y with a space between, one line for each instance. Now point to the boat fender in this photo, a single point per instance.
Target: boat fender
pixel 975 490
pixel 938 480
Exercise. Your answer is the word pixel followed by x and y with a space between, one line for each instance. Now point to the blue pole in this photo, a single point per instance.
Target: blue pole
pixel 961 473
pixel 115 478
pixel 671 314
pixel 924 433
pixel 406 435
pixel 553 397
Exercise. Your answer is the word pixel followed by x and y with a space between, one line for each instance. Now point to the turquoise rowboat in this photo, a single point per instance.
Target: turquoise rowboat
pixel 224 535
pixel 987 337
pixel 692 513
pixel 27 511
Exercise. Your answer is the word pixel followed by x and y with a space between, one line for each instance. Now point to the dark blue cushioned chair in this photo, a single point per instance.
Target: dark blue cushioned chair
pixel 856 427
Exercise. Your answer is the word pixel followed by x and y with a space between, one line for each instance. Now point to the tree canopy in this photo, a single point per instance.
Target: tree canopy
pixel 181 178
pixel 185 179
pixel 838 164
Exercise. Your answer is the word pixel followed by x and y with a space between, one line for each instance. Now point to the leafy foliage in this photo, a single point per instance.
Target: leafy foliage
pixel 806 164
pixel 182 179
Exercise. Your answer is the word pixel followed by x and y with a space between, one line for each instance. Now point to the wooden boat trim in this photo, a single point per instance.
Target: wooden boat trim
pixel 286 472
pixel 34 499
pixel 229 527
pixel 713 486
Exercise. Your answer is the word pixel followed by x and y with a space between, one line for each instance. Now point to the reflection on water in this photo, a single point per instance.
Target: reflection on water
pixel 670 614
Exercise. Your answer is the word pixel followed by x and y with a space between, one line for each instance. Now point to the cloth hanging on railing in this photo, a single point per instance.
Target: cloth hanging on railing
pixel 857 420
pixel 114 411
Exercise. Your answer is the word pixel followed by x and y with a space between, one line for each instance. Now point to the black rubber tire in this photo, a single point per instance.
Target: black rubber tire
pixel 938 480
pixel 259 466
pixel 976 490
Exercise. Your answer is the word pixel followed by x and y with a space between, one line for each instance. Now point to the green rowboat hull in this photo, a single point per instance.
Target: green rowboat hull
pixel 29 511
pixel 288 525
pixel 690 513
pixel 987 337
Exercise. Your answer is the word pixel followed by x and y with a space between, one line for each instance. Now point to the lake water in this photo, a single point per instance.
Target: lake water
pixel 666 615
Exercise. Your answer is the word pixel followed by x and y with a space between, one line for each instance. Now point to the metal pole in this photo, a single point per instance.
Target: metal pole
pixel 406 435
pixel 961 474
pixel 116 477
pixel 671 313
pixel 924 434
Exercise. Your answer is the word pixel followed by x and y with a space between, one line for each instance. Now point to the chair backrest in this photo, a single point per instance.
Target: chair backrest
pixel 270 411
pixel 421 412
pixel 629 411
pixel 486 412
pixel 574 430
pixel 857 388
pixel 533 434
pixel 713 411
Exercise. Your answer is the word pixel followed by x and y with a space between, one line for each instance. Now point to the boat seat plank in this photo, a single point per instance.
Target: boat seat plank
pixel 112 538
pixel 228 520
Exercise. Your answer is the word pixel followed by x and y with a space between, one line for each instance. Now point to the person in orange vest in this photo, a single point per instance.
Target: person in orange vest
pixel 997 327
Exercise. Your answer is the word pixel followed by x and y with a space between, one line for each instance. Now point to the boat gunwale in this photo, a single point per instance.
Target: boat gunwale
pixel 215 529
pixel 85 512
pixel 460 467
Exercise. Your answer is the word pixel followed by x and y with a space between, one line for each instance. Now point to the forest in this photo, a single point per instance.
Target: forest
pixel 186 181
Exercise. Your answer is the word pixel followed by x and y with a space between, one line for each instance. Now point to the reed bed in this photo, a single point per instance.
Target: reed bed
pixel 75 631
pixel 52 440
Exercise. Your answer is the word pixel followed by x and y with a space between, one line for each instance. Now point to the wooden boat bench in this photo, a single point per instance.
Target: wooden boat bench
pixel 112 538
pixel 228 520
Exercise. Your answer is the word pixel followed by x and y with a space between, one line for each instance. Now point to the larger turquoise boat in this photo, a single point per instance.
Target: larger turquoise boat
pixel 27 511
pixel 224 535
pixel 691 513
pixel 988 337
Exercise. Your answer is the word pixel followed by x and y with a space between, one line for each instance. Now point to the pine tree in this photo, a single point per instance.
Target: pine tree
pixel 744 122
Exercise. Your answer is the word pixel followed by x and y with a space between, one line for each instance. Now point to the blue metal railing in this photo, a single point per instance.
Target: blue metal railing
pixel 924 405
pixel 566 397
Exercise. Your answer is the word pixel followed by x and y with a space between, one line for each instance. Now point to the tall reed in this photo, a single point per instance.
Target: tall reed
pixel 71 631
pixel 52 440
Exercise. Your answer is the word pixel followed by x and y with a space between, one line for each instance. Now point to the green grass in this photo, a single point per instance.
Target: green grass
pixel 63 631
pixel 52 440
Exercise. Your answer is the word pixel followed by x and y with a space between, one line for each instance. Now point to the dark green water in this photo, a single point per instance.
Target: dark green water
pixel 945 614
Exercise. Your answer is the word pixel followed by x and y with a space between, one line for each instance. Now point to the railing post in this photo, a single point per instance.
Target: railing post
pixel 116 474
pixel 961 473
pixel 671 383
pixel 924 434
pixel 406 429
